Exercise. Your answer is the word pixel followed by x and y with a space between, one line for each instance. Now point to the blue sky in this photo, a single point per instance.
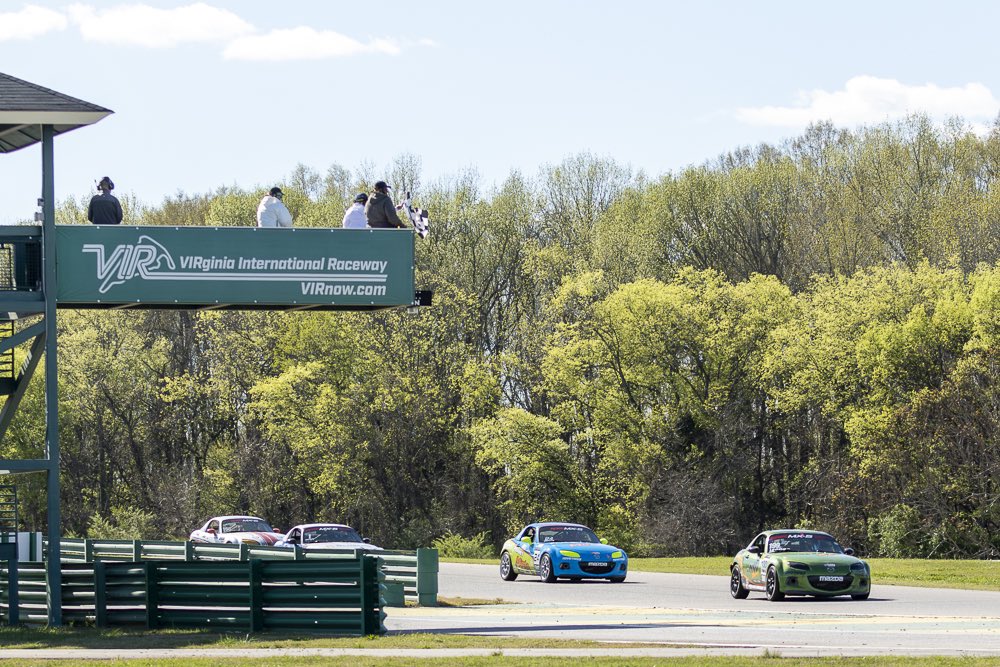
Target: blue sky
pixel 237 92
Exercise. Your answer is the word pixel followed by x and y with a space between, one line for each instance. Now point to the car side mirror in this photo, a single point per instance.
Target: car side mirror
pixel 211 530
pixel 849 551
pixel 754 550
pixel 526 540
pixel 277 530
pixel 366 540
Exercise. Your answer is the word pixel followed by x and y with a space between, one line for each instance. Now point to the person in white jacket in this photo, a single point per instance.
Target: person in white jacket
pixel 271 212
pixel 355 217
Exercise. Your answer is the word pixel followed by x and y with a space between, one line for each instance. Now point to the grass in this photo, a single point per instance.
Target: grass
pixel 89 637
pixel 981 575
pixel 772 659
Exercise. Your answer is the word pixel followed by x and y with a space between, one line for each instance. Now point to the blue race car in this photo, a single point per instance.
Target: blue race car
pixel 561 550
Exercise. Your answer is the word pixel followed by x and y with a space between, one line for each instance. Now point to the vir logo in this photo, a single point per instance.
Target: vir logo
pixel 127 260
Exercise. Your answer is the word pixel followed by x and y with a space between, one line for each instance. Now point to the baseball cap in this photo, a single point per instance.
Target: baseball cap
pixel 360 198
pixel 275 192
pixel 382 184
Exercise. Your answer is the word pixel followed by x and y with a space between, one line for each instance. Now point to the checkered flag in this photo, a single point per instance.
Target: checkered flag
pixel 419 217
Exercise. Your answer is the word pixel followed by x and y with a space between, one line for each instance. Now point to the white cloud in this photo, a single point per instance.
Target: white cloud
pixel 142 25
pixel 304 44
pixel 867 99
pixel 30 22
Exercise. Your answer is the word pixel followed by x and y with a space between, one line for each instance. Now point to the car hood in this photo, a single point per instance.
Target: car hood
pixel 259 537
pixel 584 548
pixel 812 558
pixel 342 545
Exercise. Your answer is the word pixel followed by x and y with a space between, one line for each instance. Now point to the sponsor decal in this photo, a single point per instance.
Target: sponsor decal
pixel 148 259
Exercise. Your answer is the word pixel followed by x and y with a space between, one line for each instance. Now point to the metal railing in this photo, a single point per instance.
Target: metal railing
pixel 416 571
pixel 340 596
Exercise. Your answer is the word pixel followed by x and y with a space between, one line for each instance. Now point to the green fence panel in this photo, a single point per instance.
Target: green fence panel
pixel 427 577
pixel 416 571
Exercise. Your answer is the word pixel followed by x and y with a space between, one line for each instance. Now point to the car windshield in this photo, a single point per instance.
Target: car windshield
pixel 562 533
pixel 246 525
pixel 330 534
pixel 813 542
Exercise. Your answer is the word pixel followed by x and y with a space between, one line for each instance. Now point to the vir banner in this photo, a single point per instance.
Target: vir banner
pixel 104 265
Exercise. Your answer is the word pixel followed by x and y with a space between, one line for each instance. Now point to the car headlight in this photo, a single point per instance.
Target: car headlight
pixel 569 554
pixel 795 565
pixel 859 567
pixel 617 554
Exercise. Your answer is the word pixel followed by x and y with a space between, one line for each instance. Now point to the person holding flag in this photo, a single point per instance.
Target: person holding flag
pixel 379 210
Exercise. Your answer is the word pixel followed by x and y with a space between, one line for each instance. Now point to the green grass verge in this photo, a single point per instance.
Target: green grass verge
pixel 971 574
pixel 89 637
pixel 772 660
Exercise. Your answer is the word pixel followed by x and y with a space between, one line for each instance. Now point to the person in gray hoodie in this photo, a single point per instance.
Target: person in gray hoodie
pixel 379 210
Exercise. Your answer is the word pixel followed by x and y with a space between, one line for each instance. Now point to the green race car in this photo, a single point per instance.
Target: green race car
pixel 798 562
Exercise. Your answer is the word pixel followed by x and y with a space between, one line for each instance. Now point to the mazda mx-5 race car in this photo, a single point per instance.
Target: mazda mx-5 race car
pixel 798 562
pixel 236 530
pixel 326 536
pixel 561 550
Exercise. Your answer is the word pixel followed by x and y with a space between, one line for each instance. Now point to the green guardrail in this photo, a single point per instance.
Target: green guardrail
pixel 341 596
pixel 416 571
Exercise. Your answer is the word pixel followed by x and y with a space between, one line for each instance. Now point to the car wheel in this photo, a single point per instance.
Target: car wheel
pixel 617 580
pixel 545 570
pixel 507 572
pixel 773 589
pixel 736 587
pixel 862 596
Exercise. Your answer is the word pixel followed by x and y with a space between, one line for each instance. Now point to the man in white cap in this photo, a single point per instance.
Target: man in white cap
pixel 355 217
pixel 271 212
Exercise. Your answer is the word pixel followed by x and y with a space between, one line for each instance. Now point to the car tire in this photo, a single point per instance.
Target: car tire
pixel 617 580
pixel 772 586
pixel 507 572
pixel 861 596
pixel 545 570
pixel 736 587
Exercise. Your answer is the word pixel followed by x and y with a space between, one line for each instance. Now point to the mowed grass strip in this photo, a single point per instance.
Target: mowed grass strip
pixel 981 575
pixel 771 660
pixel 114 638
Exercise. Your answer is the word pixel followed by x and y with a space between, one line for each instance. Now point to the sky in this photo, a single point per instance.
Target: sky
pixel 238 92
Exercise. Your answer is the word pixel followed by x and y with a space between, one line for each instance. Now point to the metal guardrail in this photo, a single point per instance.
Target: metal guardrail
pixel 416 571
pixel 343 596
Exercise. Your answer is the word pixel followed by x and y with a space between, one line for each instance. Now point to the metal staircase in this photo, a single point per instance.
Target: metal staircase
pixel 8 511
pixel 7 370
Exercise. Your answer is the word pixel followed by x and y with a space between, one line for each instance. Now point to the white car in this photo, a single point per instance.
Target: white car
pixel 326 536
pixel 236 530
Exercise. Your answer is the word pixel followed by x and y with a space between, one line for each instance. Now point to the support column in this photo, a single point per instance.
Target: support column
pixel 52 565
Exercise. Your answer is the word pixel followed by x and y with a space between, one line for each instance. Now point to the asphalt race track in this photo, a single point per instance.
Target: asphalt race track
pixel 675 609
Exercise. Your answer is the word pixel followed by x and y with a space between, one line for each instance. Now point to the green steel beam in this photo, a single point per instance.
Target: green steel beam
pixel 15 466
pixel 50 288
pixel 22 336
pixel 27 370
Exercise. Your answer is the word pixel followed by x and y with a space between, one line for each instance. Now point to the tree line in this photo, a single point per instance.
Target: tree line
pixel 802 334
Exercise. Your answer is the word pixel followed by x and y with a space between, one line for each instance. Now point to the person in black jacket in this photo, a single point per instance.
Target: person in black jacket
pixel 379 210
pixel 105 209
